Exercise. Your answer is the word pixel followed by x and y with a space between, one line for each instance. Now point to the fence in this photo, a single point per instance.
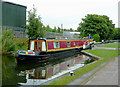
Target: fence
pixel 18 32
pixel 21 33
pixel 60 35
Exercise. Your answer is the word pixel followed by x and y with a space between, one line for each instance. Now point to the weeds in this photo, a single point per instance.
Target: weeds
pixel 9 43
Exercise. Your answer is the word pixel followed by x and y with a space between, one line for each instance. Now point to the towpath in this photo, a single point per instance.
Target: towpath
pixel 102 75
pixel 108 75
pixel 105 74
pixel 107 48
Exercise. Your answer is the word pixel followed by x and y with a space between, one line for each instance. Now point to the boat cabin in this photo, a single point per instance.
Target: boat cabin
pixel 49 45
pixel 40 48
pixel 37 45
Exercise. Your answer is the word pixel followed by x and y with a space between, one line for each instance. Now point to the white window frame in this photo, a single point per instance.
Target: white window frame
pixel 43 46
pixel 74 43
pixel 32 45
pixel 55 44
pixel 68 44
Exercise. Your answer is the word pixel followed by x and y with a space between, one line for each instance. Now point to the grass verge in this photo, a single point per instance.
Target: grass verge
pixel 113 45
pixel 105 54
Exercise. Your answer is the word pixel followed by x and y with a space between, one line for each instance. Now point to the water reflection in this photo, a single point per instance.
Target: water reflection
pixel 0 70
pixel 9 71
pixel 14 73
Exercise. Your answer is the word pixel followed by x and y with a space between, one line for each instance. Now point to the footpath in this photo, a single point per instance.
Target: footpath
pixel 104 74
pixel 108 75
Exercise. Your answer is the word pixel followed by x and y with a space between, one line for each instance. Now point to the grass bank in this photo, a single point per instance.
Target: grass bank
pixel 113 45
pixel 0 45
pixel 13 45
pixel 9 43
pixel 105 54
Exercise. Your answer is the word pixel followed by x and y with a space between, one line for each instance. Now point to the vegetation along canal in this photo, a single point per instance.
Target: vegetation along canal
pixel 14 73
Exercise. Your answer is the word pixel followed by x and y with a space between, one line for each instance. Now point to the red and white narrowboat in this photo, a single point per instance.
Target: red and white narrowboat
pixel 50 48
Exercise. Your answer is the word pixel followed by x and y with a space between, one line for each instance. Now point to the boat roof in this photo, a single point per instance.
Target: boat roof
pixel 58 39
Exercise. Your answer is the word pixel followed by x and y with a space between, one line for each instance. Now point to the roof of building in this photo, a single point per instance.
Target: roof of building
pixel 14 4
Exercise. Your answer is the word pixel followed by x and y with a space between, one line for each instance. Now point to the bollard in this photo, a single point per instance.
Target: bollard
pixel 71 73
pixel 68 65
pixel 102 41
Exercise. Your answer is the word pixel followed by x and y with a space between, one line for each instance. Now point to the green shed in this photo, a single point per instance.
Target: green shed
pixel 0 13
pixel 13 15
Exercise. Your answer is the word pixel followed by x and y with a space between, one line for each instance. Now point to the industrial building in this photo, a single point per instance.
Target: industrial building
pixel 14 16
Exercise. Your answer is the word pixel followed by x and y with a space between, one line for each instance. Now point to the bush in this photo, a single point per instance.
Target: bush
pixel 9 43
pixel 0 44
pixel 21 44
pixel 96 37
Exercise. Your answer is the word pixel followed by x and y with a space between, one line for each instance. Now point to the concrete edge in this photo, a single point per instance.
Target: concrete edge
pixel 91 55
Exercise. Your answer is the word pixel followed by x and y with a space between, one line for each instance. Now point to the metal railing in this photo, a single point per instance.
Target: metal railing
pixel 18 32
pixel 21 33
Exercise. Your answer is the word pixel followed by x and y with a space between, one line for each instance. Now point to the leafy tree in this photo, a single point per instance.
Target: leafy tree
pixel 76 31
pixel 68 29
pixel 116 34
pixel 54 30
pixel 96 24
pixel 35 27
pixel 96 37
pixel 65 29
pixel 71 29
pixel 48 28
pixel 58 30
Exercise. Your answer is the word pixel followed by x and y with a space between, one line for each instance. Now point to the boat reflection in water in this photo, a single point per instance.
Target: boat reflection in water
pixel 44 70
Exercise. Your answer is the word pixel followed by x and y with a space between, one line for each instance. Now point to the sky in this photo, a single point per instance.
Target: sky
pixel 70 12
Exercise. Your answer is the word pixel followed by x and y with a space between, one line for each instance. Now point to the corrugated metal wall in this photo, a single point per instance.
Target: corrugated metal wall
pixel 13 14
pixel 0 13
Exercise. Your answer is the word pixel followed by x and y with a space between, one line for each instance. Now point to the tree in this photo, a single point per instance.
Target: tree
pixel 65 29
pixel 54 30
pixel 71 29
pixel 35 27
pixel 58 30
pixel 48 28
pixel 96 24
pixel 96 37
pixel 116 34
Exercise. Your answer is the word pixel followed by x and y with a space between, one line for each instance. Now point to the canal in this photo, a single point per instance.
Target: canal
pixel 14 73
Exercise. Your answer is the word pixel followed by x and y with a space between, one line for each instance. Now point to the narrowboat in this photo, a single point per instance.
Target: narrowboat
pixel 53 48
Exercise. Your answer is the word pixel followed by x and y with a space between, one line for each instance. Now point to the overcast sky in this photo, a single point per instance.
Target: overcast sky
pixel 70 12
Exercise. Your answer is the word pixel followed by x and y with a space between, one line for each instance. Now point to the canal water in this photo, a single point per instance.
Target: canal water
pixel 14 73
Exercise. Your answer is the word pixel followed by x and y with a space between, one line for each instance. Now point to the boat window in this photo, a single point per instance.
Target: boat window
pixel 32 45
pixel 39 45
pixel 56 45
pixel 43 73
pixel 35 45
pixel 43 46
pixel 74 43
pixel 68 44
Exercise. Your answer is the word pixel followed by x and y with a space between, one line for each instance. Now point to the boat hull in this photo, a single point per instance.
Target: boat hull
pixel 49 55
